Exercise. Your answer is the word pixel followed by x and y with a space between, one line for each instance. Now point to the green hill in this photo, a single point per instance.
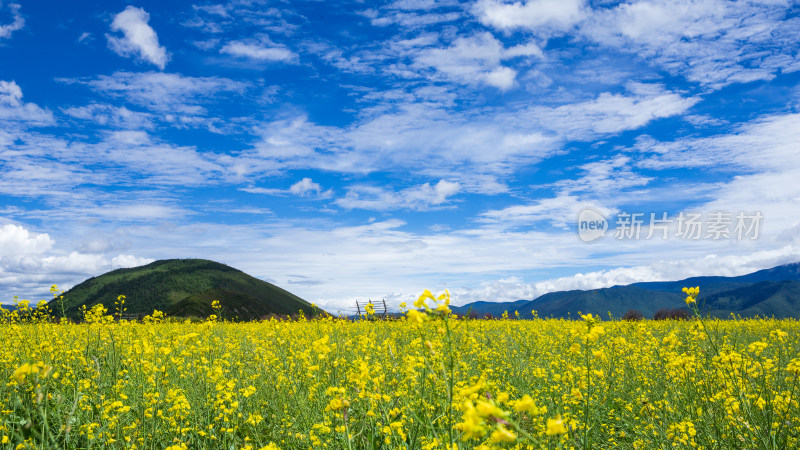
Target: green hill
pixel 183 288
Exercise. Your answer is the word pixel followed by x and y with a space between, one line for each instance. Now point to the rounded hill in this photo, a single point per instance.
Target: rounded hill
pixel 183 288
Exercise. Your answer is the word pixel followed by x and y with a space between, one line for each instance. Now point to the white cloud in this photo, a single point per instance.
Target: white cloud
pixel 559 211
pixel 160 163
pixel 425 5
pixel 475 60
pixel 765 144
pixel 712 42
pixel 10 93
pixel 16 241
pixel 612 113
pixel 762 154
pixel 411 20
pixel 136 212
pixel 421 197
pixel 537 15
pixel 30 262
pixel 138 37
pixel 529 49
pixel 452 144
pixel 71 172
pixel 259 51
pixel 16 24
pixel 501 78
pixel 111 116
pixel 168 93
pixel 606 178
pixel 14 109
pixel 303 188
pixel 125 261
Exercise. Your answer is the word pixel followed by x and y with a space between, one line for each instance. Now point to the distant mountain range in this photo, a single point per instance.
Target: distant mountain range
pixel 183 288
pixel 769 292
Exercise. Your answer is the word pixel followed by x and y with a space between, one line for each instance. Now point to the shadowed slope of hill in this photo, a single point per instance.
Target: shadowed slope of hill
pixel 780 299
pixel 184 288
pixel 494 308
pixel 615 300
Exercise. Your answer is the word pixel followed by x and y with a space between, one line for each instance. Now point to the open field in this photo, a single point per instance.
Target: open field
pixel 430 381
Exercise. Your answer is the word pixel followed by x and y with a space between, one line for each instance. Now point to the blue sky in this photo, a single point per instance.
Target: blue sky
pixel 356 150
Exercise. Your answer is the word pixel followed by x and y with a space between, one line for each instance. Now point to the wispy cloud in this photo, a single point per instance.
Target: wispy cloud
pixel 442 140
pixel 163 92
pixel 12 108
pixel 110 116
pixel 712 42
pixel 421 197
pixel 16 24
pixel 303 188
pixel 263 51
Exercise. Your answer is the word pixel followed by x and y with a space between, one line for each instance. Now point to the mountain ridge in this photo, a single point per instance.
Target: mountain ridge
pixel 719 296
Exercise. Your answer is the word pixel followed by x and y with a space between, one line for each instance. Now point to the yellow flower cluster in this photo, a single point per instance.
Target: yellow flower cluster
pixel 430 381
pixel 691 295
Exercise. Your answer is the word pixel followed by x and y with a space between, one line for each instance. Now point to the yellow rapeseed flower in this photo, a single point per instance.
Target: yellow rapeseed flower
pixel 555 426
pixel 502 434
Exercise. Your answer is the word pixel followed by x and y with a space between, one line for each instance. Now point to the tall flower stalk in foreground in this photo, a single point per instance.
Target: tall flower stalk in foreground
pixel 439 310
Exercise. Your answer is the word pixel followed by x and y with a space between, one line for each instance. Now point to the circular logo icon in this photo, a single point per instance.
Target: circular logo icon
pixel 591 225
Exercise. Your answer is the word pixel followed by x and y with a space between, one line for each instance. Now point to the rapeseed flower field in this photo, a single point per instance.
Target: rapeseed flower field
pixel 428 381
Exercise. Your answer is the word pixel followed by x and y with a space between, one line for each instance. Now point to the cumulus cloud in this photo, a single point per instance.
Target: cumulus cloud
pixel 30 262
pixel 305 187
pixel 537 15
pixel 138 37
pixel 16 241
pixel 476 59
